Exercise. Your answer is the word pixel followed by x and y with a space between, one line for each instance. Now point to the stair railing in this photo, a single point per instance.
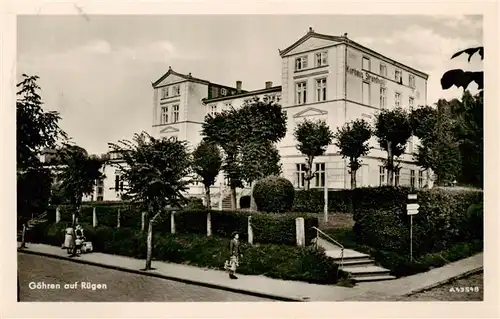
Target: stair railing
pixel 318 232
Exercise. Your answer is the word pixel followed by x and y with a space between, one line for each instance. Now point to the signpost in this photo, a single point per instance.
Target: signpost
pixel 412 209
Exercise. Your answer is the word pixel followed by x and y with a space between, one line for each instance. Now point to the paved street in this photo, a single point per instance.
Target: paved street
pixel 120 286
pixel 466 289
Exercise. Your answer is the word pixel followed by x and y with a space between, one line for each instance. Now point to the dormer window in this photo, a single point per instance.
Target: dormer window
pixel 223 91
pixel 176 90
pixel 321 58
pixel 164 92
pixel 301 63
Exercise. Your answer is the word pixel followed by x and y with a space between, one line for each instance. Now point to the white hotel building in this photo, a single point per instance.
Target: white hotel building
pixel 323 77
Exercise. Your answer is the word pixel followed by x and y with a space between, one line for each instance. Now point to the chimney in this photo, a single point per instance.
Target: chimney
pixel 311 29
pixel 345 35
pixel 238 86
pixel 269 84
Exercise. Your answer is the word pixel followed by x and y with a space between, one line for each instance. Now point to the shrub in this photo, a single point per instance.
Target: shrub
pixel 226 222
pixel 275 261
pixel 194 222
pixel 274 194
pixel 194 203
pixel 280 229
pixel 313 200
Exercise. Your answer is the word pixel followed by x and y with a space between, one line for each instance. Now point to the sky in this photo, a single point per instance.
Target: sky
pixel 97 70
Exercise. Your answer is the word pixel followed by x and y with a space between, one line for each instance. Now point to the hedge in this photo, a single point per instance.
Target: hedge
pixel 446 217
pixel 274 194
pixel 267 228
pixel 275 261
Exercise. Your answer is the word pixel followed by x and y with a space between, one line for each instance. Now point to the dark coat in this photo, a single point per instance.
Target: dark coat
pixel 234 247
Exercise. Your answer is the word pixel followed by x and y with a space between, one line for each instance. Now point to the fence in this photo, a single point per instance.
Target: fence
pixel 290 229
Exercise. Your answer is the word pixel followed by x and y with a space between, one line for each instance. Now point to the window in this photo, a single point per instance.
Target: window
pixel 411 80
pixel 420 179
pixel 175 113
pixel 100 198
pixel 381 170
pixel 397 99
pixel 320 175
pixel 164 92
pixel 366 93
pixel 228 105
pixel 300 174
pixel 383 98
pixel 301 63
pixel 212 109
pixel 321 90
pixel 397 76
pixel 164 115
pixel 301 90
pixel 366 64
pixel 412 178
pixel 383 70
pixel 118 183
pixel 176 90
pixel 411 103
pixel 396 176
pixel 321 58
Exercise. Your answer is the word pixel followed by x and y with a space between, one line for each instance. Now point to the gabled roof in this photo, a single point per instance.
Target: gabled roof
pixel 307 36
pixel 344 39
pixel 188 77
pixel 243 94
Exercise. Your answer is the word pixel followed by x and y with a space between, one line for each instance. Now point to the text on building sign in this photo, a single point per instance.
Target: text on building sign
pixel 366 76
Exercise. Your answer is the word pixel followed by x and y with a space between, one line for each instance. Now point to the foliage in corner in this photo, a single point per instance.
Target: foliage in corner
pixel 461 78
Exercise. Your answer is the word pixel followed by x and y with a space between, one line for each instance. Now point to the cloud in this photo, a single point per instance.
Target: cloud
pixel 461 22
pixel 429 51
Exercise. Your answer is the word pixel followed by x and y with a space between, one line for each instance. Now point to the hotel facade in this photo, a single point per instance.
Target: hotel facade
pixel 323 77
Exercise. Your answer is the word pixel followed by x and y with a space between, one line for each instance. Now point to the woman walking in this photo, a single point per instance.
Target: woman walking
pixel 234 250
pixel 69 240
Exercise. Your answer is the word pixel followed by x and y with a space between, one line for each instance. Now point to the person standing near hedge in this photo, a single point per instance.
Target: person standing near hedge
pixel 234 250
pixel 69 239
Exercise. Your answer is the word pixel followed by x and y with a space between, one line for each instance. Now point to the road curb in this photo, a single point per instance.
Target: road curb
pixel 157 275
pixel 443 282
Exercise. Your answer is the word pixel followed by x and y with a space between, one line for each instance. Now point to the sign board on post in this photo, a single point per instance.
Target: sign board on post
pixel 412 196
pixel 412 209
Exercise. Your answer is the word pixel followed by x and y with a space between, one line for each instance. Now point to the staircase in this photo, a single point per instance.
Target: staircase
pixel 31 223
pixel 360 267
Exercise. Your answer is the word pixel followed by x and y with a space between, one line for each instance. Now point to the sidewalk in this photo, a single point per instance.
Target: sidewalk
pixel 267 287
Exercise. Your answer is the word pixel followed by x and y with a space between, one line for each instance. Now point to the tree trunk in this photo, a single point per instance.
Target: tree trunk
pixel 207 197
pixel 233 198
pixel 353 179
pixel 23 236
pixel 390 165
pixel 253 204
pixel 309 175
pixel 149 242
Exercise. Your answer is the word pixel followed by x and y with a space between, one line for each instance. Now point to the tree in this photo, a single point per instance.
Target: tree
pixel 352 140
pixel 155 171
pixel 77 175
pixel 259 160
pixel 392 129
pixel 313 139
pixel 469 130
pixel 439 147
pixel 36 129
pixel 254 123
pixel 461 78
pixel 207 162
